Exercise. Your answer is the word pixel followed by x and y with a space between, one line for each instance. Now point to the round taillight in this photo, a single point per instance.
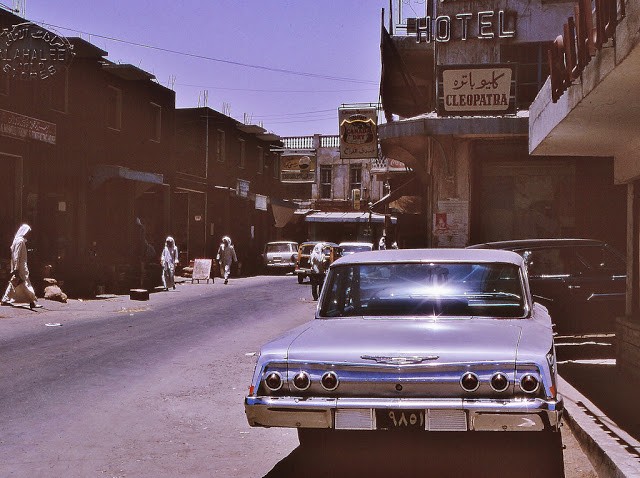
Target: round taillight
pixel 529 383
pixel 329 381
pixel 273 381
pixel 470 382
pixel 499 382
pixel 301 380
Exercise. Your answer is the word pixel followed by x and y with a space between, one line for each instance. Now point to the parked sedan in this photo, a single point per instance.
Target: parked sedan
pixel 280 256
pixel 581 281
pixel 430 340
pixel 352 247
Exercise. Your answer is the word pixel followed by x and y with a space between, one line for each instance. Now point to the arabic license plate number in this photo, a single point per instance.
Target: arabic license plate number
pixel 400 419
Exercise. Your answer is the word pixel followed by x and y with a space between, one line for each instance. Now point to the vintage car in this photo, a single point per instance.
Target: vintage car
pixel 424 340
pixel 280 256
pixel 581 281
pixel 303 261
pixel 352 247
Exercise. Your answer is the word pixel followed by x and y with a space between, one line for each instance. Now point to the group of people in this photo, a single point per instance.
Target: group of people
pixel 20 290
pixel 382 244
pixel 225 257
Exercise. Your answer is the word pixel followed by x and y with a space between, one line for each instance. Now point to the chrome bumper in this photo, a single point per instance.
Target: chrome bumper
pixel 440 414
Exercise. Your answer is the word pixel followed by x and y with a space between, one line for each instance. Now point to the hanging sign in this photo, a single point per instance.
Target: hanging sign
pixel 358 133
pixel 474 90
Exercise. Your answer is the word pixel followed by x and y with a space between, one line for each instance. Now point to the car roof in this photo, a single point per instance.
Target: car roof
pixel 532 243
pixel 313 243
pixel 436 255
pixel 282 242
pixel 354 243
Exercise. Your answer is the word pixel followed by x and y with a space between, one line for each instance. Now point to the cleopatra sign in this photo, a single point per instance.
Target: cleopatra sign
pixel 29 52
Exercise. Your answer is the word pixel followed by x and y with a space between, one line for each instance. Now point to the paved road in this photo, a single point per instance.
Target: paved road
pixel 154 389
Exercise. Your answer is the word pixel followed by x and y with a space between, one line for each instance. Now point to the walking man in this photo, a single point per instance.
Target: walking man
pixel 226 256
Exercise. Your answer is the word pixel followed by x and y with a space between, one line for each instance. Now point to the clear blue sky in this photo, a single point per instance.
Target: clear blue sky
pixel 339 39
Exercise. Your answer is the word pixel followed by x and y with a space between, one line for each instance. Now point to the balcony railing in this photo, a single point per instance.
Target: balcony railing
pixel 306 142
pixel 298 142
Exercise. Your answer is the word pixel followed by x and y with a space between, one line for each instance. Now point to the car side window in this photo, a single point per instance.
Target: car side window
pixel 557 261
pixel 601 259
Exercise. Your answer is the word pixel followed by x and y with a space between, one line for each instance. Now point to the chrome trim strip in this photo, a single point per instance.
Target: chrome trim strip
pixel 282 411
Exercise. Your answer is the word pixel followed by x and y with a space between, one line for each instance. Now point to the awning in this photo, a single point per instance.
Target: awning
pixel 104 172
pixel 362 217
pixel 283 211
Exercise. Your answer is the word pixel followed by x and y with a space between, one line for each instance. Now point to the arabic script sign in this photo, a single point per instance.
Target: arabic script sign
pixel 476 90
pixel 29 52
pixel 358 133
pixel 23 127
pixel 298 167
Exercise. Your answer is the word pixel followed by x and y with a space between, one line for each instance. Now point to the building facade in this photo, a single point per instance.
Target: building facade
pixel 226 183
pixel 334 194
pixel 589 106
pixel 457 82
pixel 85 150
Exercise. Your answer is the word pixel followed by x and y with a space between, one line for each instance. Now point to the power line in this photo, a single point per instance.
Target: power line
pixel 296 114
pixel 218 60
pixel 274 91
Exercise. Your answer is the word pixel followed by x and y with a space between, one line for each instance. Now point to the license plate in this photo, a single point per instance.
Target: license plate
pixel 400 419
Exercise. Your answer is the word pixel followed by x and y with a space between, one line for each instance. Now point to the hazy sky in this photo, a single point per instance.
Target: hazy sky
pixel 332 45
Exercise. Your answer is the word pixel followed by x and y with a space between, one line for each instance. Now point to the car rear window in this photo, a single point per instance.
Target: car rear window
pixel 425 289
pixel 279 248
pixel 307 249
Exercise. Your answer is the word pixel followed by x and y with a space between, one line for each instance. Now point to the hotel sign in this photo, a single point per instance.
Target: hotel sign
pixel 358 133
pixel 29 52
pixel 476 90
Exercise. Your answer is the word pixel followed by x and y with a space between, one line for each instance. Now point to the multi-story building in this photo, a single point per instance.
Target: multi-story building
pixel 85 148
pixel 457 82
pixel 226 182
pixel 589 108
pixel 333 194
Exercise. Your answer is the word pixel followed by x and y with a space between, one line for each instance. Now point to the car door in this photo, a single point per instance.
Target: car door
pixel 598 290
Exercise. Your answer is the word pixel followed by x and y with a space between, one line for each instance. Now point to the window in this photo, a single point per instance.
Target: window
pixel 260 159
pixel 242 155
pixel 4 85
pixel 532 70
pixel 276 167
pixel 424 289
pixel 114 108
pixel 220 138
pixel 156 122
pixel 54 91
pixel 355 177
pixel 325 182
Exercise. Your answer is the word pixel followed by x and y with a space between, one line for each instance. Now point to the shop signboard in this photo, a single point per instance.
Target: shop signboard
pixel 298 166
pixel 242 188
pixel 30 52
pixel 24 127
pixel 358 133
pixel 472 90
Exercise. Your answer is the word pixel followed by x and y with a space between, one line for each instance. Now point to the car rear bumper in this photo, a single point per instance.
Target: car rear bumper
pixel 439 414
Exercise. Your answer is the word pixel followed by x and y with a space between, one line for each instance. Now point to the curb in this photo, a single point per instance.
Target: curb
pixel 611 451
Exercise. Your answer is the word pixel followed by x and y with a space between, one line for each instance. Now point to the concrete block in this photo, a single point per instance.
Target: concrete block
pixel 139 294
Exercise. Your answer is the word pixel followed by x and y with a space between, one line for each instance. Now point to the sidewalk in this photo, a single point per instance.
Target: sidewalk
pixel 613 452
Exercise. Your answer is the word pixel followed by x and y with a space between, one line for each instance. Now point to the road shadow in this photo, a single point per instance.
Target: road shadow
pixel 420 455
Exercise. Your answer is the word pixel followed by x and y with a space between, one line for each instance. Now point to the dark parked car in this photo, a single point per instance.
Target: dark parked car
pixel 581 281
